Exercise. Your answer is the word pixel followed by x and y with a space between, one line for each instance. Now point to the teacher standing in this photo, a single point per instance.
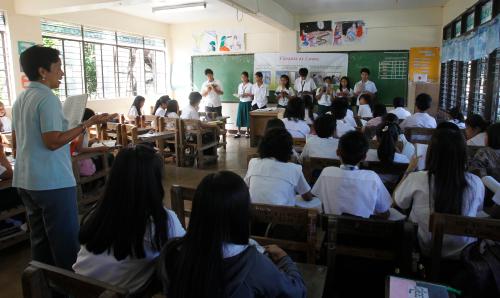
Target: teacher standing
pixel 211 90
pixel 43 171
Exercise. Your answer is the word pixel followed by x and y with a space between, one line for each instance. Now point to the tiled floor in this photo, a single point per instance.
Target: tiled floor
pixel 14 259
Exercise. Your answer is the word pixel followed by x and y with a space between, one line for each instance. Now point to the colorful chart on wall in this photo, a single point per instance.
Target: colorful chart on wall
pixel 329 33
pixel 424 64
pixel 218 41
pixel 205 42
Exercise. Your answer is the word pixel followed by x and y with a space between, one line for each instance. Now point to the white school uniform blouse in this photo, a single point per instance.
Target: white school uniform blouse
pixel 460 125
pixel 245 89
pixel 477 140
pixel 419 120
pixel 259 95
pixel 369 87
pixel 6 124
pixel 401 113
pixel 356 192
pixel 372 155
pixel 339 92
pixel 283 101
pixel 320 147
pixel 189 112
pixel 128 273
pixel 308 120
pixel 274 182
pixel 349 118
pixel 325 100
pixel 408 148
pixel 364 111
pixel 343 127
pixel 306 85
pixel 172 115
pixel 160 112
pixel 414 192
pixel 298 129
pixel 133 112
pixel 489 182
pixel 213 98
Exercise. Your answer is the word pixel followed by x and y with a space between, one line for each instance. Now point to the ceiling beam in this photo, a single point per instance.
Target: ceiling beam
pixel 267 11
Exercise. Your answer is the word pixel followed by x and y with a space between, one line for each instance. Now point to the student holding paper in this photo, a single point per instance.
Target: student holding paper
pixel 259 92
pixel 44 175
pixel 211 90
pixel 365 86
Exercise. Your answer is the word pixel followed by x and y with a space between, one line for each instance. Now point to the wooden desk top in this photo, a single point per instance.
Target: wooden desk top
pixel 314 277
pixel 267 113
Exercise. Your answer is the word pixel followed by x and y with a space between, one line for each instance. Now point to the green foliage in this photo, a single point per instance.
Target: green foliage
pixel 90 69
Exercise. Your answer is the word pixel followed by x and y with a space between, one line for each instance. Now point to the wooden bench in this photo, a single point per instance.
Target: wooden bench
pixel 457 225
pixel 382 240
pixel 396 169
pixel 312 166
pixel 172 125
pixel 262 213
pixel 110 131
pixel 191 137
pixel 39 281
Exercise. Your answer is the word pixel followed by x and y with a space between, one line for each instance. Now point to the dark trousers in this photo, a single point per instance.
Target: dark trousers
pixel 256 107
pixel 217 110
pixel 53 219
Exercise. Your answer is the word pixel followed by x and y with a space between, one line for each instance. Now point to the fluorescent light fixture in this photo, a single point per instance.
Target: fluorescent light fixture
pixel 181 6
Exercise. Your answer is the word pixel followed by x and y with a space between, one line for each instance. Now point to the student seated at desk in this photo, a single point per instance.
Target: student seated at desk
pixel 420 118
pixel 309 114
pixel 408 149
pixel 121 237
pixel 487 159
pixel 339 112
pixel 379 112
pixel 215 257
pixel 160 108
pixel 271 178
pixel 191 111
pixel 5 122
pixel 322 144
pixel 294 118
pixel 324 96
pixel 349 190
pixel 475 130
pixel 387 152
pixel 136 108
pixel 399 110
pixel 445 187
pixel 364 108
pixel 493 185
pixel 456 117
pixel 8 197
pixel 172 109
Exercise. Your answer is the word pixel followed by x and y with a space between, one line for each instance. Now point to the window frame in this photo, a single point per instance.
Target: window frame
pixel 4 43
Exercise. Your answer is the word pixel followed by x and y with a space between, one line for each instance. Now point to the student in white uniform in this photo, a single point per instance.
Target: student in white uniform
pixel 271 178
pixel 191 111
pixel 294 118
pixel 493 185
pixel 211 90
pixel 349 190
pixel 408 149
pixel 420 118
pixel 303 84
pixel 387 151
pixel 122 236
pixel 365 86
pixel 259 92
pixel 322 144
pixel 339 112
pixel 324 96
pixel 309 114
pixel 284 92
pixel 456 117
pixel 172 109
pixel 379 112
pixel 160 108
pixel 445 187
pixel 475 130
pixel 364 108
pixel 399 109
pixel 5 122
pixel 245 105
pixel 136 108
pixel 345 90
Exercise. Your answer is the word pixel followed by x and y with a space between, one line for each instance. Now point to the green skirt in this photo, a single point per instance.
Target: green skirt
pixel 243 117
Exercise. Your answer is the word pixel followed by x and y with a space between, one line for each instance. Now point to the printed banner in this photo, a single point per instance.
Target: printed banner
pixel 223 42
pixel 329 33
pixel 424 65
pixel 273 65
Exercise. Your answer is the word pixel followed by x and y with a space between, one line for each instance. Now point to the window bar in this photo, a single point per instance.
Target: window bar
pixel 102 74
pixel 84 81
pixel 65 76
pixel 4 48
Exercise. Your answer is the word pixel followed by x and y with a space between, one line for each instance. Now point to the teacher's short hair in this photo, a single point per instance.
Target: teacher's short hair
pixel 35 57
pixel 259 74
pixel 364 69
pixel 209 71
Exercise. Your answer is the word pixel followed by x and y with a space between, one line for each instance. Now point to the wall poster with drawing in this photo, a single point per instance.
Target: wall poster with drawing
pixel 330 33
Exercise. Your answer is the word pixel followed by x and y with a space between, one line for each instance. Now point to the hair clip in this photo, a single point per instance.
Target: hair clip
pixel 386 128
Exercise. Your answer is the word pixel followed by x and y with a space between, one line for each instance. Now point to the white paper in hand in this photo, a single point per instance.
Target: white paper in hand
pixel 73 109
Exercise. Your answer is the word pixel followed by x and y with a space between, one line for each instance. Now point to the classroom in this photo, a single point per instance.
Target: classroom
pixel 250 148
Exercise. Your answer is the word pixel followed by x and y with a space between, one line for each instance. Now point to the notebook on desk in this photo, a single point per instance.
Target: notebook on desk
pixel 397 287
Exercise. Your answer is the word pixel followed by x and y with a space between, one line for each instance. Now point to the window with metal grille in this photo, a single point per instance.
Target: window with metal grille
pixel 478 104
pixel 112 64
pixel 465 87
pixel 496 88
pixel 4 66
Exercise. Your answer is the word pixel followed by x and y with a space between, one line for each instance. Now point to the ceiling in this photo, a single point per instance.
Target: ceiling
pixel 305 7
pixel 215 10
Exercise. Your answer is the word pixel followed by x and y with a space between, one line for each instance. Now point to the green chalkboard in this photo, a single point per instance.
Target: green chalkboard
pixel 388 70
pixel 227 69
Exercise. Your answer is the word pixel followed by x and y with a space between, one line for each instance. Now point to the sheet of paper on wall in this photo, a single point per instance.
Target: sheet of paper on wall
pixel 420 77
pixel 73 109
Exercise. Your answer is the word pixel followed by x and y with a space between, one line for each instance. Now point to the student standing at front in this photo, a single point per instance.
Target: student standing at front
pixel 211 90
pixel 365 86
pixel 259 91
pixel 245 95
pixel 303 84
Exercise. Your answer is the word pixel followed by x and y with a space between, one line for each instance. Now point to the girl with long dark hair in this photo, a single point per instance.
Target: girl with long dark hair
pixel 214 258
pixel 160 108
pixel 387 152
pixel 136 107
pixel 475 130
pixel 294 118
pixel 122 236
pixel 445 187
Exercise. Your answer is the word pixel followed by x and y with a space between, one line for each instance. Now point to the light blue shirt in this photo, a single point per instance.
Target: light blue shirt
pixel 38 110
